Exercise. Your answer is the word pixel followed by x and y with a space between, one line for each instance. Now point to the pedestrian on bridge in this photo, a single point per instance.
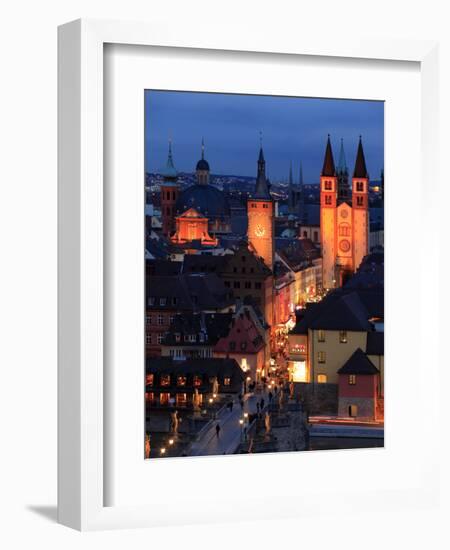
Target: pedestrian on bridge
pixel 217 429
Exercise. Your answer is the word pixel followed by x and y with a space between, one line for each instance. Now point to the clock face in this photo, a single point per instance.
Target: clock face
pixel 344 245
pixel 260 230
pixel 344 213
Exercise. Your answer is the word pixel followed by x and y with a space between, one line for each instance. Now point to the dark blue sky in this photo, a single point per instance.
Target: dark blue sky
pixel 292 129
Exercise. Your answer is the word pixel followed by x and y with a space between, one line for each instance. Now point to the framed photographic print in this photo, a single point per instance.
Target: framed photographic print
pixel 232 294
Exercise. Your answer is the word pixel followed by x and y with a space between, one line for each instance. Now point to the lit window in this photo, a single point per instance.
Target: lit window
pixel 181 399
pixel 352 379
pixel 321 378
pixel 299 373
pixel 150 397
pixel 321 336
pixel 149 379
pixel 165 380
pixel 160 338
pixel 181 380
pixel 164 398
pixel 321 356
pixel 197 381
pixel 226 381
pixel 343 336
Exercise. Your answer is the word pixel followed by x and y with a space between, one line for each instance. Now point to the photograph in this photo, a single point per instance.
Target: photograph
pixel 264 274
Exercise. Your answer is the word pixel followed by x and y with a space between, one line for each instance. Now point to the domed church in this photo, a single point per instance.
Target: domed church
pixel 207 201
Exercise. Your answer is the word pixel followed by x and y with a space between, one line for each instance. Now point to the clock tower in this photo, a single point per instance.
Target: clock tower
pixel 260 209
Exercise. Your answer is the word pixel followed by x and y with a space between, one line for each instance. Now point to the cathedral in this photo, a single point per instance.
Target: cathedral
pixel 344 217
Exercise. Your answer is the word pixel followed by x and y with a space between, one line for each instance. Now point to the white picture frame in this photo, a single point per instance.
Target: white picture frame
pixel 81 406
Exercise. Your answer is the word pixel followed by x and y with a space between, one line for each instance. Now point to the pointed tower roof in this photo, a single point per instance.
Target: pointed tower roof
pixel 169 171
pixel 342 164
pixel 202 164
pixel 300 176
pixel 262 185
pixel 360 163
pixel 328 162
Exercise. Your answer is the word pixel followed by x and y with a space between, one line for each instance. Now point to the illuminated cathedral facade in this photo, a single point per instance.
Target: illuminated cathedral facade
pixel 344 217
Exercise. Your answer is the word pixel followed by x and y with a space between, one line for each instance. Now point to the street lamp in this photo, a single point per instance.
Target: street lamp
pixel 163 450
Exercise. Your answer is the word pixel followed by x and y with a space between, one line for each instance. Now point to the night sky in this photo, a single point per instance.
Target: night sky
pixel 292 129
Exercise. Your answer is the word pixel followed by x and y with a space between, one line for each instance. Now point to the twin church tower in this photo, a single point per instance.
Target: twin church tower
pixel 344 217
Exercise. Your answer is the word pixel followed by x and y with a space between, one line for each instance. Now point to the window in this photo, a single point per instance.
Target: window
pixel 328 186
pixel 174 301
pixel 321 356
pixel 192 338
pixel 162 301
pixel 227 284
pixel 232 346
pixel 226 381
pixel 149 379
pixel 316 236
pixel 165 380
pixel 243 258
pixel 243 346
pixel 248 284
pixel 148 319
pixel 321 378
pixel 253 205
pixel 160 319
pixel 201 337
pixel 344 230
pixel 359 201
pixel 265 205
pixel 234 269
pixel 171 318
pixel 177 337
pixel 343 336
pixel 181 399
pixel 328 200
pixel 252 270
pixel 181 380
pixel 353 410
pixel 243 270
pixel 150 397
pixel 352 379
pixel 194 299
pixel 236 284
pixel 197 381
pixel 160 338
pixel 164 398
pixel 151 301
pixel 258 286
pixel 321 336
pixel 148 338
pixel 360 186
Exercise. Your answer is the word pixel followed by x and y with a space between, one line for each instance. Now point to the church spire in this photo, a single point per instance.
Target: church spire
pixel 203 149
pixel 360 163
pixel 328 162
pixel 291 193
pixel 170 172
pixel 342 164
pixel 262 187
